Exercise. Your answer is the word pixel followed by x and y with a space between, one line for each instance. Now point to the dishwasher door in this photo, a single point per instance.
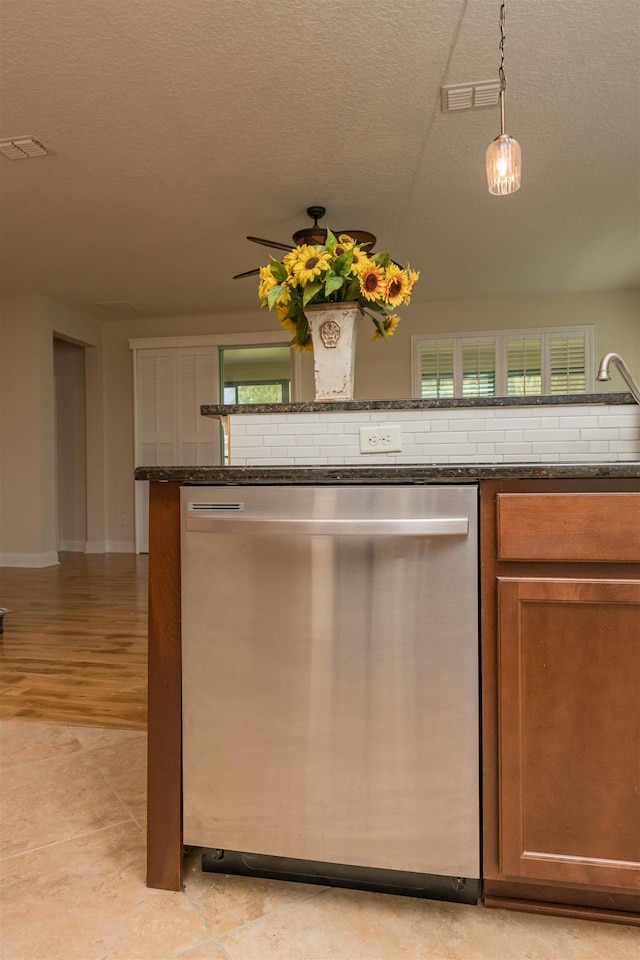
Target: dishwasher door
pixel 330 674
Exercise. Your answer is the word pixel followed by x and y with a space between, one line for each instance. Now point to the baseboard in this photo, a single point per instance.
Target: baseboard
pixel 95 546
pixel 72 546
pixel 120 546
pixel 49 559
pixel 110 546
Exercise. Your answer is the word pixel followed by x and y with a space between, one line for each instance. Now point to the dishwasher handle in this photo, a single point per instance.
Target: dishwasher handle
pixel 416 527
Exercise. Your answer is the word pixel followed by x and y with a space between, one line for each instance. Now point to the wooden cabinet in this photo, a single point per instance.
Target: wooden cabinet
pixel 561 694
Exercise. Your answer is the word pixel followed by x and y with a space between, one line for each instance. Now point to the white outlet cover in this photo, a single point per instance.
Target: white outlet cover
pixel 380 439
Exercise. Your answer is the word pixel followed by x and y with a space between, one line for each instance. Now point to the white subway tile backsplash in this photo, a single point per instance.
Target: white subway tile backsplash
pixel 297 429
pixel 609 433
pixel 456 425
pixel 624 446
pixel 575 423
pixel 546 446
pixel 442 435
pixel 257 441
pixel 518 423
pixel 486 436
pixel 620 419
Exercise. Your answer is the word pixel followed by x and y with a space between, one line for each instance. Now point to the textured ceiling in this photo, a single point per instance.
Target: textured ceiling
pixel 177 127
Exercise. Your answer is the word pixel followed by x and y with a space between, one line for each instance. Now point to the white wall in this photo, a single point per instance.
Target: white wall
pixel 383 370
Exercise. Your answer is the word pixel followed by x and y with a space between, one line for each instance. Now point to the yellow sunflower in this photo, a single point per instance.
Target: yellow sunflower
pixel 267 281
pixel 282 304
pixel 290 258
pixel 284 299
pixel 396 285
pixel 360 262
pixel 287 324
pixel 372 282
pixel 389 324
pixel 302 346
pixel 309 263
pixel 344 244
pixel 413 276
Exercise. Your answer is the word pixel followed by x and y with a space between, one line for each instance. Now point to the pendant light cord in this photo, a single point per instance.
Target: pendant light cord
pixel 501 75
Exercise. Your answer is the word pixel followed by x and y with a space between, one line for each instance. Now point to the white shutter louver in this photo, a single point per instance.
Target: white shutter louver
pixel 567 363
pixel 436 370
pixel 524 366
pixel 479 368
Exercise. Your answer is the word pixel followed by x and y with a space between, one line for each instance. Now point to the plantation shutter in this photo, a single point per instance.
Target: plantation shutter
pixel 157 408
pixel 524 366
pixel 198 437
pixel 479 368
pixel 524 363
pixel 436 369
pixel 567 364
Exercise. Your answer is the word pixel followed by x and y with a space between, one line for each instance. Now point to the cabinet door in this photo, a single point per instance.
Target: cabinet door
pixel 569 673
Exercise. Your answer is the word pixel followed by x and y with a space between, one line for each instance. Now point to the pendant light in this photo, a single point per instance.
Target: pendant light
pixel 504 162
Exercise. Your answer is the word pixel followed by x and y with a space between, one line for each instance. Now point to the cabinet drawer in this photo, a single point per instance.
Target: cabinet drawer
pixel 569 526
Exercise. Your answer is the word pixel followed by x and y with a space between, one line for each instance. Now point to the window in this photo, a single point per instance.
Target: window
pixel 524 363
pixel 256 374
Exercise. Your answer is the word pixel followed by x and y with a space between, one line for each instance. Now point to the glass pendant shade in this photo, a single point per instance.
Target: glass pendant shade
pixel 504 165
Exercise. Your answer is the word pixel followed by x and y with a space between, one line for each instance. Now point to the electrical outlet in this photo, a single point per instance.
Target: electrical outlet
pixel 380 439
pixel 123 520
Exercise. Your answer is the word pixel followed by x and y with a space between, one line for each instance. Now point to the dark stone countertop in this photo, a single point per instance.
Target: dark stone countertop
pixel 334 406
pixel 397 473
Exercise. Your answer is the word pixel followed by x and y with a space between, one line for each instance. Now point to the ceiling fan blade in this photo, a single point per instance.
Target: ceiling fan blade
pixel 271 243
pixel 247 273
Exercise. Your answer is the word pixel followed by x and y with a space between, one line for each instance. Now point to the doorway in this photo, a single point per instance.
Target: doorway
pixel 70 446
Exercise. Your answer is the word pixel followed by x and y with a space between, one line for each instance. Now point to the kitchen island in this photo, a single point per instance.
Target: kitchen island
pixel 599 510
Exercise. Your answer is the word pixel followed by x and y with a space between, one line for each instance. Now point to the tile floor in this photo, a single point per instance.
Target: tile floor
pixel 72 887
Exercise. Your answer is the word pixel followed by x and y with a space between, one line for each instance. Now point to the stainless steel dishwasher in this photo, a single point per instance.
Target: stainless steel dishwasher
pixel 330 684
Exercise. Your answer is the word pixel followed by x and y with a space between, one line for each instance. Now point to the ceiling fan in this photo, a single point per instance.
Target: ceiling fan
pixel 313 234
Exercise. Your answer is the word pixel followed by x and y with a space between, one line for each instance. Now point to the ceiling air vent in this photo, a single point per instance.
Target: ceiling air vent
pixel 470 96
pixel 20 148
pixel 118 306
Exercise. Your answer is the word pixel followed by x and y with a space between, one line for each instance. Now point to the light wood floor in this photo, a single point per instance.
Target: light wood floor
pixel 74 647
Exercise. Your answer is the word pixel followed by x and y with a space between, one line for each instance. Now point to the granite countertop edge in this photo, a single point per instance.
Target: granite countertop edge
pixel 412 403
pixel 394 473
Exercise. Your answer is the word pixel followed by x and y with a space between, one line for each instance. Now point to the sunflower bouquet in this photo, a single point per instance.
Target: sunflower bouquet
pixel 337 271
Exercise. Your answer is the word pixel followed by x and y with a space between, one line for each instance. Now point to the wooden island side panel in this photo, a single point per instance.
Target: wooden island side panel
pixel 164 752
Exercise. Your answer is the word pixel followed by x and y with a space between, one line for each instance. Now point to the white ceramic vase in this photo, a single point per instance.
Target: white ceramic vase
pixel 333 332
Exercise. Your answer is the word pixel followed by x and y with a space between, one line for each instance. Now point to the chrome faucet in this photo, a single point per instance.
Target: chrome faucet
pixel 625 373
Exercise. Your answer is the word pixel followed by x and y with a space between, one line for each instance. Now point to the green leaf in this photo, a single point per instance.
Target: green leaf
pixel 310 291
pixel 381 259
pixel 278 270
pixel 331 283
pixel 302 329
pixel 380 327
pixel 273 295
pixel 353 292
pixel 342 265
pixel 330 241
pixel 377 307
